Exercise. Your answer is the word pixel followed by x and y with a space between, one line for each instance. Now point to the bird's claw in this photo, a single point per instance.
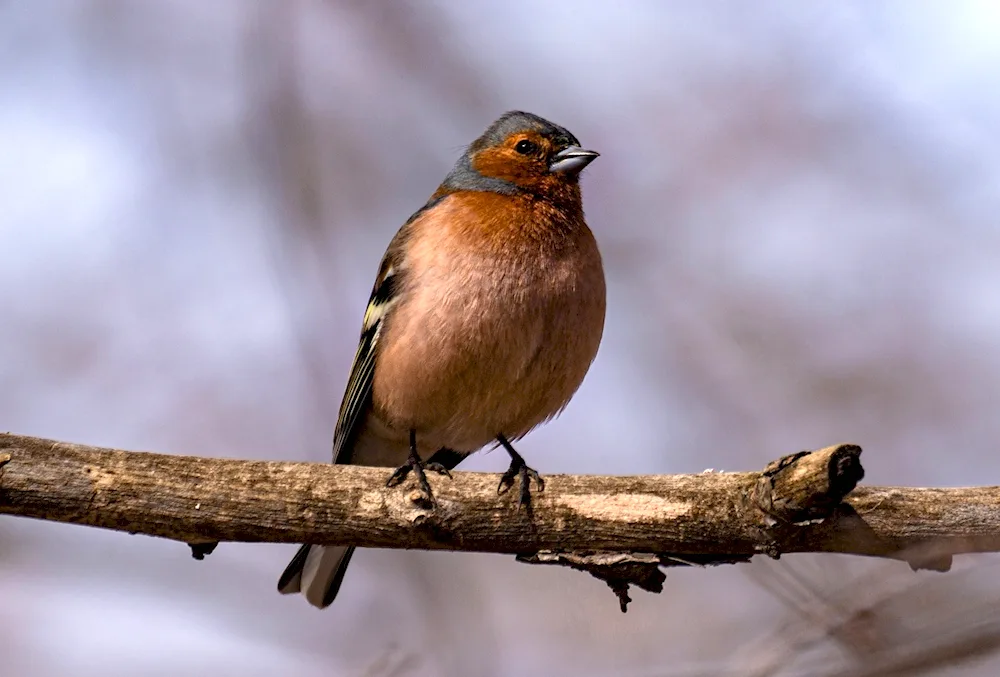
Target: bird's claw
pixel 418 467
pixel 439 469
pixel 398 475
pixel 525 474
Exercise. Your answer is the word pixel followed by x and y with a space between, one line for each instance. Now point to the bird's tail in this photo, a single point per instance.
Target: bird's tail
pixel 317 572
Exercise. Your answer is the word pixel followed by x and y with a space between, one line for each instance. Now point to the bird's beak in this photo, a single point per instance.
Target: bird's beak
pixel 572 160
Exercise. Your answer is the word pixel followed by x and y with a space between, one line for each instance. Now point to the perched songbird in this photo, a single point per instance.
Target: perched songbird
pixel 486 314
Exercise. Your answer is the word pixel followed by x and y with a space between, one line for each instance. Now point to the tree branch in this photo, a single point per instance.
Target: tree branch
pixel 621 529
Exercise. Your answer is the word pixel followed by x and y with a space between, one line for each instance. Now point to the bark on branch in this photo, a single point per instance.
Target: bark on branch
pixel 620 529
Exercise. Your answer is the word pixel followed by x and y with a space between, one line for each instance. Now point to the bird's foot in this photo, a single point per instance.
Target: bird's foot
pixel 419 468
pixel 519 470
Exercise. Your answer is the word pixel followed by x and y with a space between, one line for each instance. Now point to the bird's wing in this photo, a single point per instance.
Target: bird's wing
pixel 357 397
pixel 385 294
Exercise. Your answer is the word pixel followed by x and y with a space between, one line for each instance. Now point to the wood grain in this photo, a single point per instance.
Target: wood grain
pixel 714 515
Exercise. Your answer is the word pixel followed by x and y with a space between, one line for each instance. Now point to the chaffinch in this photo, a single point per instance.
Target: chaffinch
pixel 486 314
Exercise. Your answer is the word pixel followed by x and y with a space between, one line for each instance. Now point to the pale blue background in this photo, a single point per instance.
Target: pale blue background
pixel 798 207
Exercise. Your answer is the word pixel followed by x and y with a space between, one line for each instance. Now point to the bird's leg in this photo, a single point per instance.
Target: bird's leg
pixel 518 468
pixel 418 466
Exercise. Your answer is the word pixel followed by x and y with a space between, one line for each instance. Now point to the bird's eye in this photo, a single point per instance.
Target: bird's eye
pixel 525 147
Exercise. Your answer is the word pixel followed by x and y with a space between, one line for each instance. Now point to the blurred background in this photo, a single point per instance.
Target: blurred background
pixel 797 205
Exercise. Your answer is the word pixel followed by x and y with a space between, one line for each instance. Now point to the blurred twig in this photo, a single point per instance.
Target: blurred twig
pixel 881 624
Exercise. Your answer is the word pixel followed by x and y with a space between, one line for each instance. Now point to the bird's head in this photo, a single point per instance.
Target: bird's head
pixel 521 152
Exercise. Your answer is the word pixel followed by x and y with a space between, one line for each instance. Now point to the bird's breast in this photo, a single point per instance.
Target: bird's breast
pixel 489 336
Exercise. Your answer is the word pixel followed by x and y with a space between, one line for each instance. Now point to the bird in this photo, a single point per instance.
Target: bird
pixel 486 314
